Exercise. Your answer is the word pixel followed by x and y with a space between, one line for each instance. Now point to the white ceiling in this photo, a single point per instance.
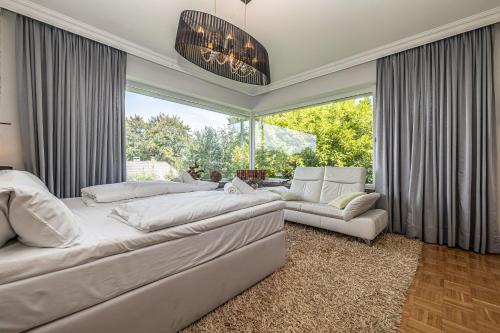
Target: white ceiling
pixel 300 35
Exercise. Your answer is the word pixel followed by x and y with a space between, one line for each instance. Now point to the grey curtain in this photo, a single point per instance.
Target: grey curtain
pixel 71 94
pixel 436 142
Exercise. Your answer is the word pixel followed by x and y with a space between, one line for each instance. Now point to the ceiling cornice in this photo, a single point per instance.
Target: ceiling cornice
pixel 35 11
pixel 467 24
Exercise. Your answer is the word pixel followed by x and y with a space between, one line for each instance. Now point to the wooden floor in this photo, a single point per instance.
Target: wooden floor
pixel 453 291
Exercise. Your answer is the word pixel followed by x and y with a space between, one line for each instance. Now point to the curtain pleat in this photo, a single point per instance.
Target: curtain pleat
pixel 71 93
pixel 435 142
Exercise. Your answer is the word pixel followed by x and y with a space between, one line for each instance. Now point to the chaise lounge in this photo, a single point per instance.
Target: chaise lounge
pixel 319 186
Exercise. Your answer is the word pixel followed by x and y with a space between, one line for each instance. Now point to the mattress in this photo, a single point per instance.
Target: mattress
pixel 40 285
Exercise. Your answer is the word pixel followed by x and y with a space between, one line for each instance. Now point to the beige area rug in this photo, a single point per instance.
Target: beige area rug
pixel 331 283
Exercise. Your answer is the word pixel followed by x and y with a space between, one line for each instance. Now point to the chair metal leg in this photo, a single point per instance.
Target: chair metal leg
pixel 368 242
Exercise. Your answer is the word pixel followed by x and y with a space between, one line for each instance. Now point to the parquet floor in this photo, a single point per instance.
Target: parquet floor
pixel 453 291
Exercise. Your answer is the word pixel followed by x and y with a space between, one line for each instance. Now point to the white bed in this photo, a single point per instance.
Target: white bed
pixel 117 268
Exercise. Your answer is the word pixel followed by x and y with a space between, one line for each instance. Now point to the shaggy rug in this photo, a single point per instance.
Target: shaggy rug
pixel 330 283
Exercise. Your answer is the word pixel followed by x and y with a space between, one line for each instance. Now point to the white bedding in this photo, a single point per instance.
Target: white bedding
pixel 126 191
pixel 167 211
pixel 38 285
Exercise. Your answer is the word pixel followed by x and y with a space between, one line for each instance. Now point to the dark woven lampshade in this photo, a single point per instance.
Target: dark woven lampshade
pixel 222 48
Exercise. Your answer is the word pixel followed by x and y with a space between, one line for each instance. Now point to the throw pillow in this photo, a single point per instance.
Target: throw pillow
pixel 359 205
pixel 342 201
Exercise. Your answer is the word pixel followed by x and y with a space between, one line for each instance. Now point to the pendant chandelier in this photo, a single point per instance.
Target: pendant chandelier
pixel 222 48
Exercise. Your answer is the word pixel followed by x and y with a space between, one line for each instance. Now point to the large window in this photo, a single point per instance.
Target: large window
pixel 338 134
pixel 164 138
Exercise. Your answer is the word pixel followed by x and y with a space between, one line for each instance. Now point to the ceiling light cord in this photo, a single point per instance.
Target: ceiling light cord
pixel 245 21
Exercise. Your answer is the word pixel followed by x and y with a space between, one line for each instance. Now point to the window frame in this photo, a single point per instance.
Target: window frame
pixel 366 91
pixel 353 92
pixel 158 93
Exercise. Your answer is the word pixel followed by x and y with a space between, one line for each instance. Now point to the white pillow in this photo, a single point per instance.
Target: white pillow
pixel 359 205
pixel 36 216
pixel 18 177
pixel 6 232
pixel 186 177
pixel 243 187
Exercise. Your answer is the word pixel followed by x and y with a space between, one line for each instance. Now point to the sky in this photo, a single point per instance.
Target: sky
pixel 146 107
pixel 195 118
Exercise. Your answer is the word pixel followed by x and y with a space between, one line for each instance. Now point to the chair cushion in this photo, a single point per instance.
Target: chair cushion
pixel 287 195
pixel 360 205
pixel 321 209
pixel 307 183
pixel 338 181
pixel 294 205
pixel 315 208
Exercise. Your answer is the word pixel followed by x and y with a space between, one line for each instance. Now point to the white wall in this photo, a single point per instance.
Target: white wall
pixel 10 137
pixel 345 83
pixel 185 87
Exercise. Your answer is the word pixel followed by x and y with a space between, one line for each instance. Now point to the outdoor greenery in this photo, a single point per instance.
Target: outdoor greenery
pixel 166 138
pixel 343 131
pixel 340 134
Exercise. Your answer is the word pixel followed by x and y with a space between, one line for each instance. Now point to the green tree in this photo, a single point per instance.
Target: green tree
pixel 222 150
pixel 343 131
pixel 136 129
pixel 162 138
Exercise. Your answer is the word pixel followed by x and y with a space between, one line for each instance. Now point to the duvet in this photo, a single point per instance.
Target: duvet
pixel 174 209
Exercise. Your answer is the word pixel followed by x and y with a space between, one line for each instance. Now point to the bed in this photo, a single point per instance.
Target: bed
pixel 120 279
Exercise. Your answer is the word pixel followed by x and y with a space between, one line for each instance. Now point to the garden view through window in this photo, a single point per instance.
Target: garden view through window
pixel 338 133
pixel 164 138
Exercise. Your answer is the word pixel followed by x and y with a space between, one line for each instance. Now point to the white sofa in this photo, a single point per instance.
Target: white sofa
pixel 317 186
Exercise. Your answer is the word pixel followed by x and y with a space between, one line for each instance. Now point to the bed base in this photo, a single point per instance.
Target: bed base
pixel 172 303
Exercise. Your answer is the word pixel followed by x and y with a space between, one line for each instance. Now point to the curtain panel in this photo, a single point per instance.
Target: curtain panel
pixel 436 142
pixel 71 97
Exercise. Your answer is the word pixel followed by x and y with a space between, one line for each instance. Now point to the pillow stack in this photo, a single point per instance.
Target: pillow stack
pixel 29 211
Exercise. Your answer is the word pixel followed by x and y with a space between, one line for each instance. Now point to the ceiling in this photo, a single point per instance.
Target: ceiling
pixel 300 35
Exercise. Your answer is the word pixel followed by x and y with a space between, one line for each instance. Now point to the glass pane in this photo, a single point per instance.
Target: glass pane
pixel 164 138
pixel 336 134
